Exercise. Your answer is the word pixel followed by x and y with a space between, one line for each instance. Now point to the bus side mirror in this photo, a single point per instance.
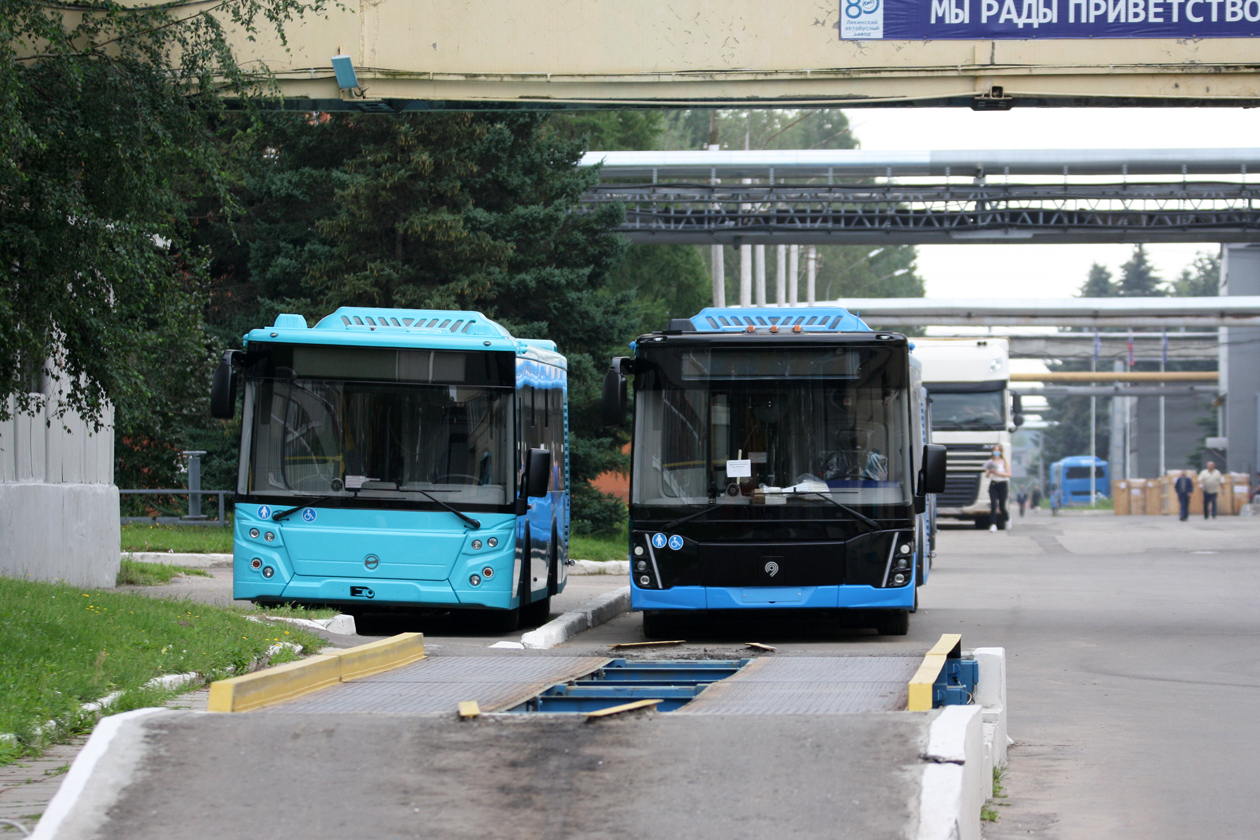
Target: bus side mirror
pixel 613 405
pixel 537 473
pixel 1017 410
pixel 223 388
pixel 933 469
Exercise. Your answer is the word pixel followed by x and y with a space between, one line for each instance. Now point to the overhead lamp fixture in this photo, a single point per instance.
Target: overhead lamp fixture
pixel 344 68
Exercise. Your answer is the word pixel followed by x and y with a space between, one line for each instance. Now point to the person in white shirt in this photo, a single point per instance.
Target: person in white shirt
pixel 1210 480
pixel 999 473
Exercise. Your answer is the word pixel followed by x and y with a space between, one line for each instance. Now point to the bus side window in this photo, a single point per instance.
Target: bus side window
pixel 555 411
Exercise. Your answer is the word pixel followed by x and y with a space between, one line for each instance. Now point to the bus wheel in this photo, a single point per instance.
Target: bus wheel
pixel 505 621
pixel 660 625
pixel 893 623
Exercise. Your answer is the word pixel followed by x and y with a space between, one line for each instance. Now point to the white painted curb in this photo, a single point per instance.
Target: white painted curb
pixel 594 567
pixel 965 743
pixel 953 785
pixel 190 561
pixel 89 805
pixel 567 626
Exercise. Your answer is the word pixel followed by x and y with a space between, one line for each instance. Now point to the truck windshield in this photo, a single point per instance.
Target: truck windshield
pixel 968 412
pixel 385 440
pixel 803 427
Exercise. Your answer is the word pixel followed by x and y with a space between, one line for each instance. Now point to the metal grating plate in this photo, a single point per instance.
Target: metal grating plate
pixel 436 685
pixel 810 685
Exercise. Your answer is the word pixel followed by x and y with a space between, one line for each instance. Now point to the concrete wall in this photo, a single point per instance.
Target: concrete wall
pixel 59 515
pixel 1240 362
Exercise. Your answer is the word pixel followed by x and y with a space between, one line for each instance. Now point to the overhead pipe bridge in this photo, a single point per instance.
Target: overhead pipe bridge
pixel 846 197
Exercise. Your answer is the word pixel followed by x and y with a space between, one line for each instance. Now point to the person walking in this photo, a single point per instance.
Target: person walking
pixel 1210 480
pixel 1021 497
pixel 1184 488
pixel 999 473
pixel 1034 498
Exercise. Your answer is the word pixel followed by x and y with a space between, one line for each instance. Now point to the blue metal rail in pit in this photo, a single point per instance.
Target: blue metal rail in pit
pixel 673 682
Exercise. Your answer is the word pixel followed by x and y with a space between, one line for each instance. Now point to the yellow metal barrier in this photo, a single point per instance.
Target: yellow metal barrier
pixel 949 646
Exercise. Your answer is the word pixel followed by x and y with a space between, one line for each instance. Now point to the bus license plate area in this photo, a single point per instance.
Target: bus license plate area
pixel 772 564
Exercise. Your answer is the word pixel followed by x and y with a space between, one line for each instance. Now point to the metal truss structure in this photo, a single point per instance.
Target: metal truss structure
pixel 893 213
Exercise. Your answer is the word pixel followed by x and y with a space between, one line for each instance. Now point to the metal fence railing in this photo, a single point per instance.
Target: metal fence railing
pixel 194 516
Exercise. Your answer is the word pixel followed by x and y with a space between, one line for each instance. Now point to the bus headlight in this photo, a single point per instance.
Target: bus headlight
pixel 475 580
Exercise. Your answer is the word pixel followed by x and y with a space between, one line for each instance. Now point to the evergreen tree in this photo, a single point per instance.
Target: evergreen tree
pixel 1202 278
pixel 1138 277
pixel 1098 284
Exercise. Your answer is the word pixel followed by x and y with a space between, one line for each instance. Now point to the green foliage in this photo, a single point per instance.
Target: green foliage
pixel 182 539
pixel 787 128
pixel 1098 283
pixel 612 546
pixel 103 116
pixel 1202 278
pixel 1138 277
pixel 666 281
pixel 61 647
pixel 595 512
pixel 609 131
pixel 135 573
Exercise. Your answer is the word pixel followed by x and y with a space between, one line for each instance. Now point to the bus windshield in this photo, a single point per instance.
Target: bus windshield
pixel 967 411
pixel 384 440
pixel 807 427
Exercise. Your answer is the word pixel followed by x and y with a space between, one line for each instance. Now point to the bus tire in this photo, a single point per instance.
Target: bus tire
pixel 893 623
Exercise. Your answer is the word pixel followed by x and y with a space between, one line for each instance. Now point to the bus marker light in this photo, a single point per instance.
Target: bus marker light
pixel 899 579
pixel 638 551
pixel 492 542
pixel 256 563
pixel 475 580
pixel 644 580
pixel 268 572
pixel 269 537
pixel 476 544
pixel 253 533
pixel 905 548
pixel 487 572
pixel 641 565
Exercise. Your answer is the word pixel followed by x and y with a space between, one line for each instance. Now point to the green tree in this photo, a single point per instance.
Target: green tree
pixel 103 118
pixel 1138 277
pixel 1098 284
pixel 1202 278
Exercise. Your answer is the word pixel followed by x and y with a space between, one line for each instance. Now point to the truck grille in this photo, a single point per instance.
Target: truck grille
pixel 961 489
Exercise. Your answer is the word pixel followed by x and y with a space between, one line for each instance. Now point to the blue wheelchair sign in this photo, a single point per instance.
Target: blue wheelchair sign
pixel 675 542
pixel 658 540
pixel 308 515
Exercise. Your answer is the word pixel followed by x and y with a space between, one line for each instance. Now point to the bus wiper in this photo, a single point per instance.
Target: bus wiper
pixel 476 523
pixel 871 523
pixel 285 514
pixel 669 525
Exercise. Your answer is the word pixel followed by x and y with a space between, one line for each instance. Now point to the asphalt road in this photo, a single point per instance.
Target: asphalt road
pixel 1133 656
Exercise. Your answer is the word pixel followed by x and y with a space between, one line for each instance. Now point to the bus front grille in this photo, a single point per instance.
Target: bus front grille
pixel 961 489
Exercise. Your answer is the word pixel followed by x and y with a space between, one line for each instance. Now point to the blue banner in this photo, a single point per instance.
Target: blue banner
pixel 988 20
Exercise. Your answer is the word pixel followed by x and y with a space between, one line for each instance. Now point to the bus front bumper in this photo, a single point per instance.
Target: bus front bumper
pixel 771 597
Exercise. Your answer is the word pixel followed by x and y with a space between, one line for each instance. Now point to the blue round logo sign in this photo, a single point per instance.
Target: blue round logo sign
pixel 308 515
pixel 264 512
pixel 675 542
pixel 658 540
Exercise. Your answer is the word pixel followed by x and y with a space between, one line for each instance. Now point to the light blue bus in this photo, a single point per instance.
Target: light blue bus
pixel 1069 480
pixel 400 460
pixel 780 461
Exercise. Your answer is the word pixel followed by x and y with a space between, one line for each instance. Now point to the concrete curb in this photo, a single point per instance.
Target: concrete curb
pixel 560 630
pixel 964 744
pixel 75 799
pixel 295 679
pixel 594 567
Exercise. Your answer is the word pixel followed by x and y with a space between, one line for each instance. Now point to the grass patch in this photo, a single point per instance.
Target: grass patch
pixel 135 573
pixel 298 611
pixel 62 646
pixel 987 812
pixel 182 539
pixel 616 547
